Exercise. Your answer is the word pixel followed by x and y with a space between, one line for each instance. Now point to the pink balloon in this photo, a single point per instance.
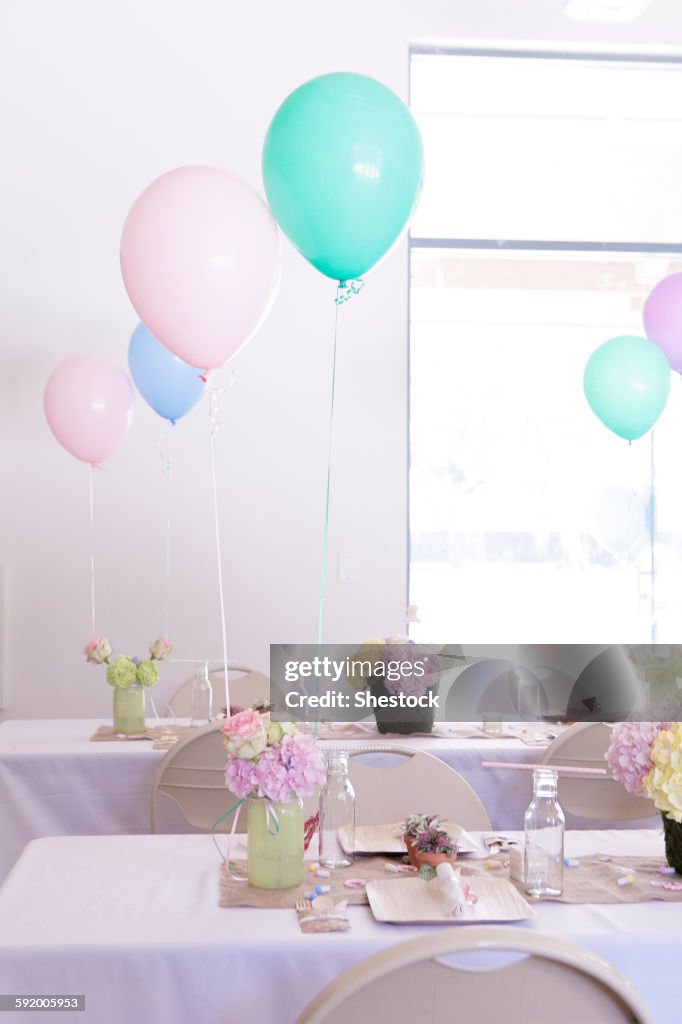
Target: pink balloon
pixel 201 263
pixel 89 405
pixel 663 318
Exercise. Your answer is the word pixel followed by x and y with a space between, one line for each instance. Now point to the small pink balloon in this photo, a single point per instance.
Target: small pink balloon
pixel 200 258
pixel 663 318
pixel 89 405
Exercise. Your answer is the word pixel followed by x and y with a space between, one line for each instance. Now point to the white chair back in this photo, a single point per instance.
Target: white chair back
pixel 192 774
pixel 546 979
pixel 410 782
pixel 246 687
pixel 584 746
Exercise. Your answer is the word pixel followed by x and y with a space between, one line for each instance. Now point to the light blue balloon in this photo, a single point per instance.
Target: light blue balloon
pixel 169 385
pixel 627 382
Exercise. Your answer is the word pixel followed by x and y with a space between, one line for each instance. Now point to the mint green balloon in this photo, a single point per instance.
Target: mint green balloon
pixel 627 382
pixel 342 166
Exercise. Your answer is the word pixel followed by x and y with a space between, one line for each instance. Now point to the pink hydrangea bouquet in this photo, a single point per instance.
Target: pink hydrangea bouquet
pixel 272 760
pixel 402 678
pixel 398 663
pixel 124 671
pixel 629 753
pixel 647 758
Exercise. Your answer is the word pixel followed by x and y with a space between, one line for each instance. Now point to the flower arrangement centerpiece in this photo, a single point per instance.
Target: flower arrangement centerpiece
pixel 128 677
pixel 427 842
pixel 273 766
pixel 647 758
pixel 402 679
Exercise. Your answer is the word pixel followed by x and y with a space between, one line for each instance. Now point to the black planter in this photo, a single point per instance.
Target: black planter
pixel 401 720
pixel 672 831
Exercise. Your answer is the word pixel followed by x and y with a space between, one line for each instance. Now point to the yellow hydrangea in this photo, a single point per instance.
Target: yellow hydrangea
pixel 664 782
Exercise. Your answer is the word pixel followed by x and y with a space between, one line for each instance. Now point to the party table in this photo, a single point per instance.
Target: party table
pixel 133 923
pixel 55 781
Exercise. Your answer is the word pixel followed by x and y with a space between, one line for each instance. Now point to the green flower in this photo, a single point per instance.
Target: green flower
pixel 147 672
pixel 122 672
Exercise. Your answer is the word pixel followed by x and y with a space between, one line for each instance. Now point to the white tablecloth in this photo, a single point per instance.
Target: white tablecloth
pixel 133 923
pixel 55 781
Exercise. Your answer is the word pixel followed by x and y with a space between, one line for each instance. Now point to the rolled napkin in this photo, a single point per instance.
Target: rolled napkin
pixel 452 892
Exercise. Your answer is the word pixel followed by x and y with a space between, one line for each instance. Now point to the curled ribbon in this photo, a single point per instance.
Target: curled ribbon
pixel 214 410
pixel 347 289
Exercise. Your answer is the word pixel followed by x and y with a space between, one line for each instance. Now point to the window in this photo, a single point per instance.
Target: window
pixel 528 519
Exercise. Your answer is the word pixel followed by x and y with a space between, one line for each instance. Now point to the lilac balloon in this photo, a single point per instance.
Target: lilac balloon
pixel 88 405
pixel 663 318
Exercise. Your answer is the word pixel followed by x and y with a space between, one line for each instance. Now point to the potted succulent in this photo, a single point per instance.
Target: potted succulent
pixel 434 846
pixel 413 826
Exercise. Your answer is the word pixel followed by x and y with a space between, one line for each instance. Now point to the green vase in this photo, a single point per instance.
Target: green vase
pixel 672 831
pixel 129 710
pixel 275 844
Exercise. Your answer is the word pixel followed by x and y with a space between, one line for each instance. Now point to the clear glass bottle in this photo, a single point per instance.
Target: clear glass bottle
pixel 543 857
pixel 202 696
pixel 337 813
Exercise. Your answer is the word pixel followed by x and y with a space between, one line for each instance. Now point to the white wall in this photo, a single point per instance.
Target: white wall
pixel 100 98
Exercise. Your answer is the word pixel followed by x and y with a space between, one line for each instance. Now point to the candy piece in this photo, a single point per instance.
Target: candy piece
pixel 570 862
pixel 355 883
pixel 314 866
pixel 666 870
pixel 310 895
pixel 322 873
pixel 627 880
pixel 489 865
pixel 319 889
pixel 399 869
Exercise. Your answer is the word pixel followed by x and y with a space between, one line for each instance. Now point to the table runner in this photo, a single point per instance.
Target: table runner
pixel 234 893
pixel 530 736
pixel 595 879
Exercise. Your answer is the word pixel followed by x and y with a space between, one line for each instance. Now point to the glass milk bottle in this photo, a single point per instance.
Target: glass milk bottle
pixel 337 813
pixel 543 859
pixel 202 696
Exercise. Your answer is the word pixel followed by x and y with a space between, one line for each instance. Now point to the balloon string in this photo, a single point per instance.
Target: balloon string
pixel 167 470
pixel 213 412
pixel 652 539
pixel 92 550
pixel 325 536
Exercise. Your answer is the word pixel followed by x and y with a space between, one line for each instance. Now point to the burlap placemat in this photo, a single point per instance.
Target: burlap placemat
pixel 158 734
pixel 234 893
pixel 595 879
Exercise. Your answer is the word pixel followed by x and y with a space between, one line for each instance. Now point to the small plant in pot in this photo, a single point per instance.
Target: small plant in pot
pixel 413 826
pixel 434 846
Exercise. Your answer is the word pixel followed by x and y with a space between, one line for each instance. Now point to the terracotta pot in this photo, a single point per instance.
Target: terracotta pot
pixel 416 858
pixel 411 856
pixel 433 859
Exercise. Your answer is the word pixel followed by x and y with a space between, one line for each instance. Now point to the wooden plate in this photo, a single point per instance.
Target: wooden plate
pixel 415 901
pixel 387 839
